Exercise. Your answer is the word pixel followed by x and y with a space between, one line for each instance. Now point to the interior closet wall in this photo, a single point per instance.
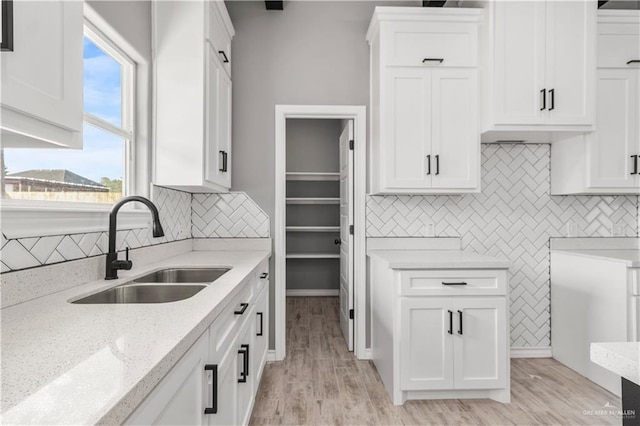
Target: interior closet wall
pixel 312 256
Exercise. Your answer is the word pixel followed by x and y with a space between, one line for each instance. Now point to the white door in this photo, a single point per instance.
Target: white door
pixel 615 143
pixel 409 163
pixel 455 131
pixel 224 127
pixel 346 238
pixel 571 64
pixel 480 343
pixel 213 158
pixel 519 70
pixel 426 343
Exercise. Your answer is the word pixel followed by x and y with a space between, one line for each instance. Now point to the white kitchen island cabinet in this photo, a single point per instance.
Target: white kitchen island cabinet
pixel 425 101
pixel 439 324
pixel 216 381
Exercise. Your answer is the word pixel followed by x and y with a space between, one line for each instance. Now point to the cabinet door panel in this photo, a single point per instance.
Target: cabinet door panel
pixel 426 347
pixel 455 132
pixel 616 137
pixel 571 49
pixel 245 389
pixel 519 69
pixel 227 390
pixel 408 129
pixel 224 126
pixel 481 349
pixel 213 158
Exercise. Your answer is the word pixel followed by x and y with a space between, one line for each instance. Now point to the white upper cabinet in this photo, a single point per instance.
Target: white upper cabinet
pixel 607 161
pixel 425 101
pixel 192 45
pixel 539 69
pixel 41 103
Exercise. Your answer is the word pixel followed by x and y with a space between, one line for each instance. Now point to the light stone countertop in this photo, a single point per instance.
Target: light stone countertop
pixel 630 257
pixel 439 259
pixel 621 358
pixel 66 363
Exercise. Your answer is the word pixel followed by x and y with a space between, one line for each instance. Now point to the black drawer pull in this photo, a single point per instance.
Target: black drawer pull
pixel 264 275
pixel 552 92
pixel 543 92
pixel 635 164
pixel 224 56
pixel 633 61
pixel 437 164
pixel 259 333
pixel 243 307
pixel 460 317
pixel 450 331
pixel 429 164
pixel 244 351
pixel 441 60
pixel 460 283
pixel 214 389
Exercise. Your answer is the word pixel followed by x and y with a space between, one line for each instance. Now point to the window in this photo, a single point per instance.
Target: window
pixel 100 172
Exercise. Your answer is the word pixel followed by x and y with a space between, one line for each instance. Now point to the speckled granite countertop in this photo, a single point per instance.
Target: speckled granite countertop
pixel 622 358
pixel 66 363
pixel 439 259
pixel 630 257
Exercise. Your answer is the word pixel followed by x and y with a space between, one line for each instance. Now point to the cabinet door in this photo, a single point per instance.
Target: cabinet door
pixel 244 371
pixel 426 346
pixel 571 64
pixel 455 133
pixel 226 391
pixel 180 397
pixel 213 156
pixel 407 132
pixel 224 127
pixel 42 77
pixel 261 335
pixel 480 348
pixel 519 68
pixel 616 138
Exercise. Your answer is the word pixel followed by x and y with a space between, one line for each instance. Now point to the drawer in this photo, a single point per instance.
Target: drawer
pixel 618 44
pixel 453 282
pixel 411 44
pixel 227 324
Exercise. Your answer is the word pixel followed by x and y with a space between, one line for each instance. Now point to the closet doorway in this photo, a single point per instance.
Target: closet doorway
pixel 319 235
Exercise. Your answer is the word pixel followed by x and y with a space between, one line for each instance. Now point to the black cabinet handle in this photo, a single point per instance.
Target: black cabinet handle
pixel 244 351
pixel 221 168
pixel 441 60
pixel 224 56
pixel 552 92
pixel 460 318
pixel 214 389
pixel 635 164
pixel 264 275
pixel 437 165
pixel 543 92
pixel 428 164
pixel 450 331
pixel 456 283
pixel 337 242
pixel 261 324
pixel 226 158
pixel 633 61
pixel 243 307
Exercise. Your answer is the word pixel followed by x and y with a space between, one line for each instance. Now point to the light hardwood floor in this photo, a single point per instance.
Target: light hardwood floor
pixel 320 382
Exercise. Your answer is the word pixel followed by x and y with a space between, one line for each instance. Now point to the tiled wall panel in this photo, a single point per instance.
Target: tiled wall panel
pixel 514 216
pixel 231 215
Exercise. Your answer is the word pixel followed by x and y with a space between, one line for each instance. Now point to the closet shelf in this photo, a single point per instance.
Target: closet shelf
pixel 313 200
pixel 313 176
pixel 313 255
pixel 313 229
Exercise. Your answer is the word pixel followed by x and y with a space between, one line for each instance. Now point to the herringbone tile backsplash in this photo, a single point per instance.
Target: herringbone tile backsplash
pixel 231 215
pixel 514 216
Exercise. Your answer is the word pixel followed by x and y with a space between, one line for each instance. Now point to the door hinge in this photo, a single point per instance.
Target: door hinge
pixel 351 144
pixel 350 313
pixel 351 229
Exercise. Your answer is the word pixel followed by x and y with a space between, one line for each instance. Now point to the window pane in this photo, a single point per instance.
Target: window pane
pixel 92 175
pixel 102 84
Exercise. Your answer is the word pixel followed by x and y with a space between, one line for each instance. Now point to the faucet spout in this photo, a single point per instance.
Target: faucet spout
pixel 113 264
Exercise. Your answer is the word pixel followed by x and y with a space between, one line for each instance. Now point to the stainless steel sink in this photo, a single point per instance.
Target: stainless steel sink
pixel 183 275
pixel 143 293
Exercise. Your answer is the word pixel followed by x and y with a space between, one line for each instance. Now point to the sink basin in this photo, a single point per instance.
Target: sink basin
pixel 143 293
pixel 183 275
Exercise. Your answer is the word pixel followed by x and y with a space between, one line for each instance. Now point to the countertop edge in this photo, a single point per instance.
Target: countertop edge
pixel 608 358
pixel 597 254
pixel 483 261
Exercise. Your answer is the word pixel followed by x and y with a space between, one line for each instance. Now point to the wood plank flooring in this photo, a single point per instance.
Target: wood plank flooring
pixel 320 383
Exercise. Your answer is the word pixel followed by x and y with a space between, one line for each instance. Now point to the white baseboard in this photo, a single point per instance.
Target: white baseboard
pixel 312 293
pixel 526 352
pixel 367 354
pixel 271 355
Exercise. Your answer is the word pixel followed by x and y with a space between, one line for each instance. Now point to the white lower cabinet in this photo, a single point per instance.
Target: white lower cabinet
pixel 440 333
pixel 216 381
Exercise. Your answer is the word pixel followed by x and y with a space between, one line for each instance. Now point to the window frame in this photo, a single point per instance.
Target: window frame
pixel 33 218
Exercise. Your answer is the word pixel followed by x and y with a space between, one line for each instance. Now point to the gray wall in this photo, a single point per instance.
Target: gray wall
pixel 309 53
